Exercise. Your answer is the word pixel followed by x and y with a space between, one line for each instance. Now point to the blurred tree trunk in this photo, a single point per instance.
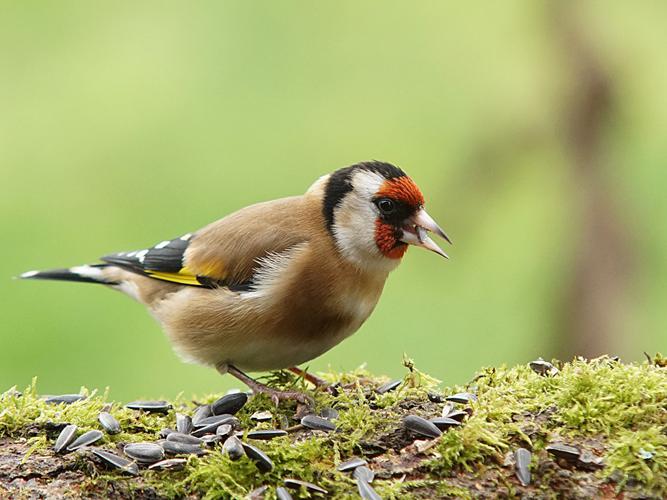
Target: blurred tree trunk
pixel 595 298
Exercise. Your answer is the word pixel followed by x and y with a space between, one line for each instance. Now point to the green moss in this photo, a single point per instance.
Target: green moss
pixel 622 404
pixel 620 407
pixel 469 446
pixel 640 456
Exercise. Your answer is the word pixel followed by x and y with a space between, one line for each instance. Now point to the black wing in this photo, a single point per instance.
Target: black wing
pixel 163 261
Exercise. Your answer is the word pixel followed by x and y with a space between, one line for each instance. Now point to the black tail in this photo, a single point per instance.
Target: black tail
pixel 93 273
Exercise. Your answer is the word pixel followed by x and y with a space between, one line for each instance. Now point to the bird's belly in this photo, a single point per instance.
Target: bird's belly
pixel 253 338
pixel 289 343
pixel 280 352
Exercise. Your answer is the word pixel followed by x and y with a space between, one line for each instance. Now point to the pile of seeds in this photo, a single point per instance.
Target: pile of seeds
pixel 215 428
pixel 450 417
pixel 211 428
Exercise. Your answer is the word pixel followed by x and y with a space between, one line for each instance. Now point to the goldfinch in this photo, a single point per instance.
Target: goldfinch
pixel 278 283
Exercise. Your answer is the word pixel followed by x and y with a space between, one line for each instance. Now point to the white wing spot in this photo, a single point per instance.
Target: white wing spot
pixel 29 274
pixel 162 244
pixel 87 271
pixel 186 237
pixel 142 255
pixel 130 254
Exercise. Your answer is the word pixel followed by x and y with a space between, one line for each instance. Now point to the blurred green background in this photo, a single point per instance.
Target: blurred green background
pixel 535 129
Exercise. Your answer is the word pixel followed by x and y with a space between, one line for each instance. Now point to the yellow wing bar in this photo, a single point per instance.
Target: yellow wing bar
pixel 184 277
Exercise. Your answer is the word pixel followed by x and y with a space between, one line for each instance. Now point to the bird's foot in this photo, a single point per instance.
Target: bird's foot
pixel 275 395
pixel 278 396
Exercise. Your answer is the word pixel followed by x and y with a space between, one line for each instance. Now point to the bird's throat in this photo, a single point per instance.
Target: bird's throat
pixel 387 240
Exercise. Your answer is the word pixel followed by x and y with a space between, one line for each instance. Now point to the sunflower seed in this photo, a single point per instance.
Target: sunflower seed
pixel 65 437
pixel 560 450
pixel 230 403
pixel 444 423
pixel 262 416
pixel 447 409
pixel 462 397
pixel 282 494
pixel 329 413
pixel 212 428
pixel 169 464
pixel 266 434
pixel 225 418
pixel 224 430
pixel 201 413
pixel 85 439
pixel 366 491
pixel 257 493
pixel 179 437
pixel 211 438
pixel 389 386
pixel 351 464
pixel 543 367
pixel 183 423
pixel 262 461
pixel 149 406
pixel 588 461
pixel 233 447
pixel 109 423
pixel 421 426
pixel 522 466
pixel 458 415
pixel 66 399
pixel 177 448
pixel 208 429
pixel 295 484
pixel 144 452
pixel 363 473
pixel 118 462
pixel 317 423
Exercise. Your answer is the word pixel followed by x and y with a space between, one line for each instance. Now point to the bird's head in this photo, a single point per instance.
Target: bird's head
pixel 374 211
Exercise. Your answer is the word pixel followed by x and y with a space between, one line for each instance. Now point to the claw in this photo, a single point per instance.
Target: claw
pixel 275 395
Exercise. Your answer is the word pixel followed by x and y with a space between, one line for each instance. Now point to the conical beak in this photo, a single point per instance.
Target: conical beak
pixel 415 232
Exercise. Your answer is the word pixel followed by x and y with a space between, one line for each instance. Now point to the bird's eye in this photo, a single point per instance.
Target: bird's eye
pixel 386 206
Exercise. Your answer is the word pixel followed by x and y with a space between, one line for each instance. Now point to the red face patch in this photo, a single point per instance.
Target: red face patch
pixel 405 191
pixel 402 189
pixel 387 242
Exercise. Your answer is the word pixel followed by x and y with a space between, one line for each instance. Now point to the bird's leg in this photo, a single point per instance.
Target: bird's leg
pixel 313 379
pixel 275 395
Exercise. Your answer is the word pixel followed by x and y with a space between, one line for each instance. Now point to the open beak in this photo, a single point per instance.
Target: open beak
pixel 415 232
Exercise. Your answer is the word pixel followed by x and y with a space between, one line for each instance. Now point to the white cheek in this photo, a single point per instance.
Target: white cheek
pixel 354 229
pixel 354 224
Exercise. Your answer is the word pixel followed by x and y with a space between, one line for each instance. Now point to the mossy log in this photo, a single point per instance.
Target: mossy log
pixel 614 414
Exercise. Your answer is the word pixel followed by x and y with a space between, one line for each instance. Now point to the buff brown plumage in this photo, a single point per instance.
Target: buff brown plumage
pixel 278 283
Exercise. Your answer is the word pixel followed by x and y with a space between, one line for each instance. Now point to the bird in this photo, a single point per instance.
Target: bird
pixel 277 283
